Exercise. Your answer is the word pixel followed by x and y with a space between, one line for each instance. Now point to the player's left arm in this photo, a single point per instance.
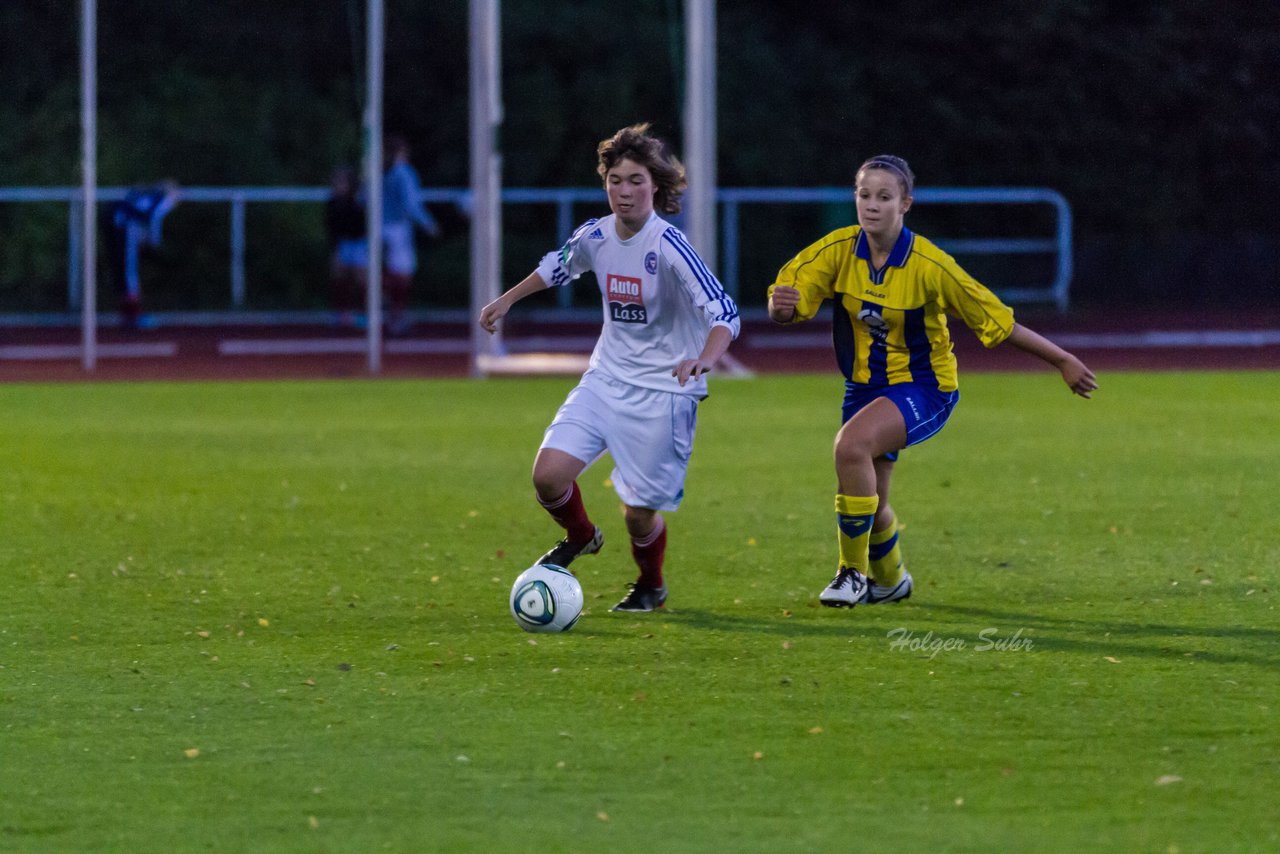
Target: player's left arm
pixel 707 294
pixel 1075 373
pixel 718 341
pixel 992 321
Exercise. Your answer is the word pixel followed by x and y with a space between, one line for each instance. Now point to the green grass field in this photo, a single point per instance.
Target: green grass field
pixel 272 617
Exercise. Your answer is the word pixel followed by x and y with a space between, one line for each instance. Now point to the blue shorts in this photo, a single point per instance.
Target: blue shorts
pixel 925 410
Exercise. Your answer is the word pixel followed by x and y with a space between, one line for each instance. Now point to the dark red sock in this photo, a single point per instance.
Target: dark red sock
pixel 570 514
pixel 649 553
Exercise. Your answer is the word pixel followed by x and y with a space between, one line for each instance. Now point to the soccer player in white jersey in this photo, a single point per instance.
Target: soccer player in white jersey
pixel 667 320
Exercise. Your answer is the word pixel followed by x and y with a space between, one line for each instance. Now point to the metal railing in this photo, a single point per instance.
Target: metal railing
pixel 730 200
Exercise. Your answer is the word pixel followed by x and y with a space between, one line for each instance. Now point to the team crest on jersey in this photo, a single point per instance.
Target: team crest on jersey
pixel 875 324
pixel 625 296
pixel 651 263
pixel 596 234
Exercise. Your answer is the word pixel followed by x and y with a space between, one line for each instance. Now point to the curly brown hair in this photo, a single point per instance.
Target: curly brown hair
pixel 635 144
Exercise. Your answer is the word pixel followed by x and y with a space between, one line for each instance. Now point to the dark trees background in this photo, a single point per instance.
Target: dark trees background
pixel 1157 120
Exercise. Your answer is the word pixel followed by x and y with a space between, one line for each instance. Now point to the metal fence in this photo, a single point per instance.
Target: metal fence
pixel 1057 245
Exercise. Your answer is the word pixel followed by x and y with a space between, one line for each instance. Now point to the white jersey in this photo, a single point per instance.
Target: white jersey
pixel 660 300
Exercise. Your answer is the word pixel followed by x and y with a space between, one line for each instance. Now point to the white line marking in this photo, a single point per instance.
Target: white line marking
pixel 45 352
pixel 1189 339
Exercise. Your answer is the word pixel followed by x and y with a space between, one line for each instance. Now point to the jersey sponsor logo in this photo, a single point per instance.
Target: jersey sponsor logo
pixel 651 263
pixel 875 324
pixel 625 295
pixel 596 234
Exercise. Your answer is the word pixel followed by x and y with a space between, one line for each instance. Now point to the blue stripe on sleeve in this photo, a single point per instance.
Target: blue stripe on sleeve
pixel 710 285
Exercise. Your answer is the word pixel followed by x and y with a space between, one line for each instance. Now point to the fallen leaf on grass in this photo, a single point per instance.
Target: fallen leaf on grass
pixel 757 756
pixel 191 752
pixel 602 815
pixel 1112 660
pixel 816 731
pixel 264 622
pixel 1167 779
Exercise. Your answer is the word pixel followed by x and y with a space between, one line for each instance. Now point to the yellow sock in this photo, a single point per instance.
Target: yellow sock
pixel 887 565
pixel 854 515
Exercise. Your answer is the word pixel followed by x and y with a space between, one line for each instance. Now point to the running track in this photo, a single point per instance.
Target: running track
pixel 1136 341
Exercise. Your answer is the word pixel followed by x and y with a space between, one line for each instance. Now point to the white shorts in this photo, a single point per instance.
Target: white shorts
pixel 398 254
pixel 648 433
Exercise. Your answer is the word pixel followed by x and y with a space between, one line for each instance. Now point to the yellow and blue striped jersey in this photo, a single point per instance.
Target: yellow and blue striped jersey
pixel 891 323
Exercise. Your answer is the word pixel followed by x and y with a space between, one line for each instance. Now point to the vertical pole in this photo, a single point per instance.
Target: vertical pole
pixel 486 173
pixel 564 230
pixel 700 126
pixel 373 180
pixel 89 142
pixel 75 260
pixel 237 251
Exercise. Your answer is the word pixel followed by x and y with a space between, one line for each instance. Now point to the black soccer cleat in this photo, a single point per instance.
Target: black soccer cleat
pixel 565 552
pixel 642 597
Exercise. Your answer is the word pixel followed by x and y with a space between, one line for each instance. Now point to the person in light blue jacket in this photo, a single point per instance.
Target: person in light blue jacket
pixel 402 210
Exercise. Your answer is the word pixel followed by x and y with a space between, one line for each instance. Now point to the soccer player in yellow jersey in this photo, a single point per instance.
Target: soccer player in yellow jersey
pixel 892 291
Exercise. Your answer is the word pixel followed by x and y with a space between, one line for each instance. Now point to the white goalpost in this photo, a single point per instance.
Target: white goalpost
pixel 89 181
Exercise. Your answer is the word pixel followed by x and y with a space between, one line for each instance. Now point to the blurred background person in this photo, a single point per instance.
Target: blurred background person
pixel 345 227
pixel 402 209
pixel 134 223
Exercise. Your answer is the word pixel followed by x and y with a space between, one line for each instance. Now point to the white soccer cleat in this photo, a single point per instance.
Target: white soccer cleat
pixel 879 595
pixel 847 589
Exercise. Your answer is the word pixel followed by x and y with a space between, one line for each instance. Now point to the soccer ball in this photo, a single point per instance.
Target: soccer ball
pixel 546 598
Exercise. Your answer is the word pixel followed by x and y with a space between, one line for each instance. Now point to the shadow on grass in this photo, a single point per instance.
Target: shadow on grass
pixel 1256 646
pixel 802 625
pixel 1259 647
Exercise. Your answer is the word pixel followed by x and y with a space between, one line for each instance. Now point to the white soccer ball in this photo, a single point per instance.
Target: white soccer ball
pixel 546 598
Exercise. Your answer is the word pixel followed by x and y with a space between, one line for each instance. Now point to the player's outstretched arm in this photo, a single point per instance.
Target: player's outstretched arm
pixel 1074 372
pixel 496 310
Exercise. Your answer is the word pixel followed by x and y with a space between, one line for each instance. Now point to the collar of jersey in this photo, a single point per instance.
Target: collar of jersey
pixel 613 227
pixel 897 257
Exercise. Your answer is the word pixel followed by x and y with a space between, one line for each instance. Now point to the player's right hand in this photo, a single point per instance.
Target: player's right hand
pixel 782 303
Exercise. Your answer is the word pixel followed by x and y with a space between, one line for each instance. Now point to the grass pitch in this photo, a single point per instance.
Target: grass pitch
pixel 272 616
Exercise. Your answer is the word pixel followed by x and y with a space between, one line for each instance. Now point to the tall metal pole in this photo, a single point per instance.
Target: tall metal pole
pixel 89 178
pixel 373 180
pixel 700 126
pixel 486 174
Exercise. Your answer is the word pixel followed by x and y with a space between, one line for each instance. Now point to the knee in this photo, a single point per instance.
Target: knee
pixel 640 521
pixel 853 448
pixel 548 484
